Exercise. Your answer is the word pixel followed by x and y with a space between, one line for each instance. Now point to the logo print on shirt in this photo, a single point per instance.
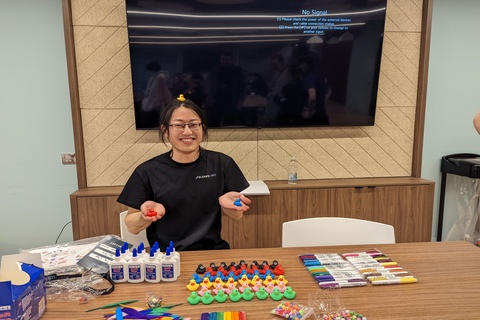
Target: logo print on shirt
pixel 206 176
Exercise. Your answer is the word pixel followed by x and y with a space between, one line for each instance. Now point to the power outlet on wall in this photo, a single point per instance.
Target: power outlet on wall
pixel 68 158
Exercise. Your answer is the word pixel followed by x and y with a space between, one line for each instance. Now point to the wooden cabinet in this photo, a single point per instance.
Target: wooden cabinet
pixel 406 203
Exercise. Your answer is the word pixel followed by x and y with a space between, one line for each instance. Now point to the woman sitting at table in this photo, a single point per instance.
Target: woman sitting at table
pixel 180 195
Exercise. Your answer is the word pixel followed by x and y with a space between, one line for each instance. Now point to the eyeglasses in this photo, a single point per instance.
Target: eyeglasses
pixel 181 126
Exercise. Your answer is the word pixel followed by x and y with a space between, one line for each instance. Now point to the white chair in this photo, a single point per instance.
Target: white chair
pixel 133 239
pixel 333 231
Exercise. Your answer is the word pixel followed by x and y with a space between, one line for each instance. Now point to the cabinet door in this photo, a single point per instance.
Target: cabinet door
pixel 337 202
pixel 407 208
pixel 261 226
pixel 97 216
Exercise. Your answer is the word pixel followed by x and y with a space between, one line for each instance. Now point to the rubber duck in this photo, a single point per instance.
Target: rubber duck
pixel 235 295
pixel 206 282
pixel 257 286
pixel 207 298
pixel 203 290
pixel 221 296
pixel 218 280
pixel 255 280
pixel 192 285
pixel 243 279
pixel 243 287
pixel 230 287
pixel 218 288
pixel 269 288
pixel 268 280
pixel 231 281
pixel 278 270
pixel 261 293
pixel 281 286
pixel 289 293
pixel 276 294
pixel 193 298
pixel 247 294
pixel 200 269
pixel 281 278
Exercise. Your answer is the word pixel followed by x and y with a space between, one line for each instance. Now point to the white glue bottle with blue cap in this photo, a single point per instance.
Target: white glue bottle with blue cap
pixel 118 268
pixel 136 268
pixel 169 267
pixel 152 268
pixel 176 256
pixel 125 252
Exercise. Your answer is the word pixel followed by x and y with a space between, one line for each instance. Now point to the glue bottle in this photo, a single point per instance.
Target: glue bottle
pixel 136 268
pixel 118 268
pixel 152 268
pixel 176 256
pixel 169 267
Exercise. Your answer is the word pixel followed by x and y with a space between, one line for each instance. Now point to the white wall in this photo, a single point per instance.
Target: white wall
pixel 35 116
pixel 453 95
pixel 35 126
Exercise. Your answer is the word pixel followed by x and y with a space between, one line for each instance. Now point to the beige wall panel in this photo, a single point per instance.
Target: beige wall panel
pixel 113 148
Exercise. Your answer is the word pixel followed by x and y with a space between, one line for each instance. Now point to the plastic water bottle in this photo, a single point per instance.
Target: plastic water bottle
pixel 292 171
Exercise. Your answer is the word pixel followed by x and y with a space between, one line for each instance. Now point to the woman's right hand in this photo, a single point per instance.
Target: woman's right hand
pixel 149 207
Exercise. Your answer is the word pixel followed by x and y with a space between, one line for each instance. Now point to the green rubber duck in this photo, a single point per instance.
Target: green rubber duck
pixel 221 296
pixel 235 295
pixel 194 298
pixel 207 298
pixel 247 294
pixel 289 293
pixel 261 294
pixel 276 294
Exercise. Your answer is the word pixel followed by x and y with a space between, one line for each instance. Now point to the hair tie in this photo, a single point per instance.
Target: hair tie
pixel 181 98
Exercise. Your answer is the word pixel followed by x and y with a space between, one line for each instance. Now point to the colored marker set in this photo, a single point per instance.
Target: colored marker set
pixel 378 268
pixel 332 271
pixel 355 269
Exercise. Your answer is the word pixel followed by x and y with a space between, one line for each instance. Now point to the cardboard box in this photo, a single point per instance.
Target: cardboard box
pixel 22 287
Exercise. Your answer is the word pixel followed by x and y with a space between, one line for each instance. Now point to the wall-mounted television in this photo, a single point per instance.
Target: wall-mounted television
pixel 258 63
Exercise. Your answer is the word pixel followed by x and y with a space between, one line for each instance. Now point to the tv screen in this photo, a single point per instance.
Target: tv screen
pixel 258 63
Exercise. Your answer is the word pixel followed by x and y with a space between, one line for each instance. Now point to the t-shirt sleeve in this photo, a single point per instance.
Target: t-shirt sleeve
pixel 234 178
pixel 137 190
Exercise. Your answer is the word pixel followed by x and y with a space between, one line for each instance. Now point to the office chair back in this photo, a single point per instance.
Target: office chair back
pixel 133 239
pixel 332 231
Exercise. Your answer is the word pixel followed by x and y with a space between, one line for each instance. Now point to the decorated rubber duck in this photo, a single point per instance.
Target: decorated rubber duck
pixel 261 293
pixel 276 294
pixel 235 295
pixel 203 290
pixel 289 293
pixel 207 298
pixel 200 269
pixel 194 298
pixel 221 296
pixel 206 282
pixel 247 294
pixel 192 285
pixel 268 280
pixel 278 270
pixel 281 278
pixel 243 279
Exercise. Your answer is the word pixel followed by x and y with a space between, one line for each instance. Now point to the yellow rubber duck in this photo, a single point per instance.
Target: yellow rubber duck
pixel 192 285
pixel 268 280
pixel 281 278
pixel 243 279
pixel 206 282
pixel 219 281
pixel 230 281
pixel 255 280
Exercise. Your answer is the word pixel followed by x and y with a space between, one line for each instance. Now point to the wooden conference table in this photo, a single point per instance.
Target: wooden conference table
pixel 448 287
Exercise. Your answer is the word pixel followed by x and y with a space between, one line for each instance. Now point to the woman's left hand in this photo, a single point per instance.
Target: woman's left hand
pixel 227 201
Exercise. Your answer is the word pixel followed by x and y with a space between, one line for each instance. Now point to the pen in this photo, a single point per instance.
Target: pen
pixel 395 281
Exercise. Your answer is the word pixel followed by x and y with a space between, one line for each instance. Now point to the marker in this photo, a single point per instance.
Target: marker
pixel 396 281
